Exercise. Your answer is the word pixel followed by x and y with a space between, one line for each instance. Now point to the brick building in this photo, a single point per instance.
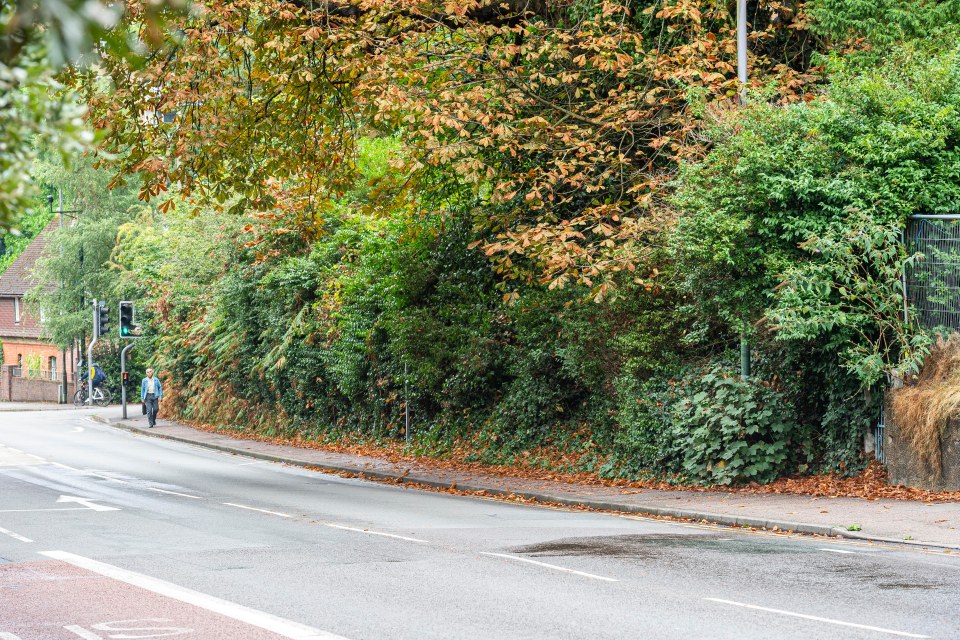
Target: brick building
pixel 25 355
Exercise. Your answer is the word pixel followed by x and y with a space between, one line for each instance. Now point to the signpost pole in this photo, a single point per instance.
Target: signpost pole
pixel 123 377
pixel 96 334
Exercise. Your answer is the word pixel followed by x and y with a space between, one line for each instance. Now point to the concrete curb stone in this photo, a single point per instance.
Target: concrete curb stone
pixel 602 505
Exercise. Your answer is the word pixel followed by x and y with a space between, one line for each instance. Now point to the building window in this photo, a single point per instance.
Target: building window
pixel 16 311
pixel 53 367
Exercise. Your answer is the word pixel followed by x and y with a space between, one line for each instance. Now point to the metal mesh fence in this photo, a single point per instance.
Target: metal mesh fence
pixel 933 283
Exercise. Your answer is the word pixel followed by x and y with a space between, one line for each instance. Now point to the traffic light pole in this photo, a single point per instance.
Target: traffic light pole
pixel 96 334
pixel 123 377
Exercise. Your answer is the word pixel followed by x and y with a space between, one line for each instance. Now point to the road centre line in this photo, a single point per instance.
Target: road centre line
pixel 373 533
pixel 15 536
pixel 88 473
pixel 174 493
pixel 818 619
pixel 549 566
pixel 266 621
pixel 273 513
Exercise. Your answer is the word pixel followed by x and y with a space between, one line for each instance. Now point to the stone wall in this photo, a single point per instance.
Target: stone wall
pixel 904 467
pixel 15 389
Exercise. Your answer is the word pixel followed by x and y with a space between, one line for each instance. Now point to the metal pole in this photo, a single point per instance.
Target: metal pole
pixel 742 48
pixel 903 279
pixel 742 77
pixel 123 381
pixel 406 400
pixel 63 352
pixel 96 334
pixel 744 356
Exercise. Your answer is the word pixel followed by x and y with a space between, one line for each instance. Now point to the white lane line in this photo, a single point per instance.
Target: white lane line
pixel 266 621
pixel 247 464
pixel 15 536
pixel 818 619
pixel 97 475
pixel 548 566
pixel 174 493
pixel 839 551
pixel 374 533
pixel 273 513
pixel 83 633
pixel 43 510
pixel 88 473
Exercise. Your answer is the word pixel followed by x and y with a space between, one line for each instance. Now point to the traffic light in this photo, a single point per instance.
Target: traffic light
pixel 128 328
pixel 126 319
pixel 103 319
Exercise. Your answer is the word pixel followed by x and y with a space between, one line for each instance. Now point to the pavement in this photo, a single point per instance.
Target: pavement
pixel 904 522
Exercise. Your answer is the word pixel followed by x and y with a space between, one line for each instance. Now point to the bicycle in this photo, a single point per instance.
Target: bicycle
pixel 101 396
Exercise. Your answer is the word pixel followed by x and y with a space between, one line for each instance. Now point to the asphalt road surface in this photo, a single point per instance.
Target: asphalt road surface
pixel 108 534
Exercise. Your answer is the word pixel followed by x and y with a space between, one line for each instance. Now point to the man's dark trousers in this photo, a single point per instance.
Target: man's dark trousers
pixel 153 405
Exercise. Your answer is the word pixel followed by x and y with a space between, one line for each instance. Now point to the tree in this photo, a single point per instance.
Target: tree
pixel 37 38
pixel 77 263
pixel 564 122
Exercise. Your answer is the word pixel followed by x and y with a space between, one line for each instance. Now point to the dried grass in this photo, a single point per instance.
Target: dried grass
pixel 922 409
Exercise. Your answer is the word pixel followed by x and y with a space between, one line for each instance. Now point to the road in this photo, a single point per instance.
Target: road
pixel 108 534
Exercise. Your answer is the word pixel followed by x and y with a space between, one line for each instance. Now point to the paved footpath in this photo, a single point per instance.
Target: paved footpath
pixel 883 520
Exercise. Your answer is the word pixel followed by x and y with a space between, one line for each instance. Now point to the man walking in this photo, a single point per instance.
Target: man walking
pixel 150 394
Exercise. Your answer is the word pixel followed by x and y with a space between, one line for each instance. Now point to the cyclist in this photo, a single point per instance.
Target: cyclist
pixel 99 377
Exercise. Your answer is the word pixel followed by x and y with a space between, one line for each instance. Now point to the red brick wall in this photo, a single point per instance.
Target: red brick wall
pixel 13 347
pixel 25 390
pixel 8 316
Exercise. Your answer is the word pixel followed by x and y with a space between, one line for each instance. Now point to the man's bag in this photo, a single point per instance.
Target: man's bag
pixel 143 407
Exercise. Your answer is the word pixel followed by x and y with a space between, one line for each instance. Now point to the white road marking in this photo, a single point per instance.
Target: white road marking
pixel 818 619
pixel 8 636
pixel 273 513
pixel 15 536
pixel 839 551
pixel 10 457
pixel 98 475
pixel 42 510
pixel 373 533
pixel 88 473
pixel 549 566
pixel 266 621
pixel 174 493
pixel 246 464
pixel 78 430
pixel 83 633
pixel 88 503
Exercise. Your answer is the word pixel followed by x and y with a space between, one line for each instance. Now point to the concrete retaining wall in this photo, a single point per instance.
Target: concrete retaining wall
pixel 904 467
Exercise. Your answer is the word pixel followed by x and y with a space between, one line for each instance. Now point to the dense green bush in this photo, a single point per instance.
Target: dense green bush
pixel 733 430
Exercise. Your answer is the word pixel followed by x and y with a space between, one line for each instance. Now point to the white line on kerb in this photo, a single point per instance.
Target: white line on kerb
pixel 266 621
pixel 174 493
pixel 818 619
pixel 273 513
pixel 15 536
pixel 374 533
pixel 548 566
